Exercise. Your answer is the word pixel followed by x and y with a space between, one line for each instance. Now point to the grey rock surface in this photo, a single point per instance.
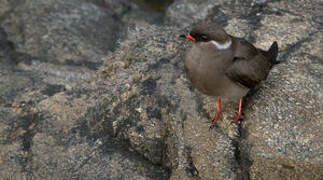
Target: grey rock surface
pixel 135 11
pixel 138 116
pixel 182 13
pixel 62 30
pixel 154 106
pixel 63 42
pixel 283 131
pixel 46 48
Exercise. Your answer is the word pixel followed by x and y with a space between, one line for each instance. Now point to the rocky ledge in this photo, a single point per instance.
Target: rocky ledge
pixel 75 103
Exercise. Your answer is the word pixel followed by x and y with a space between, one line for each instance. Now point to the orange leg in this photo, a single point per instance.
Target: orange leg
pixel 236 118
pixel 218 115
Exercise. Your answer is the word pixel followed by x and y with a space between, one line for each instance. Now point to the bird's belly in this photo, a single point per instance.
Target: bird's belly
pixel 206 70
pixel 215 83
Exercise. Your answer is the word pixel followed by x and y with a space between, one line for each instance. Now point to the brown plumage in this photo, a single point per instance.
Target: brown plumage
pixel 222 65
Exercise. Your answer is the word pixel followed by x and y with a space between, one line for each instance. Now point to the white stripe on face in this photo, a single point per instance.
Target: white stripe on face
pixel 219 46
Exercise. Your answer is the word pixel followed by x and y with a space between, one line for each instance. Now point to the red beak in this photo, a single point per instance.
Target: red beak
pixel 188 36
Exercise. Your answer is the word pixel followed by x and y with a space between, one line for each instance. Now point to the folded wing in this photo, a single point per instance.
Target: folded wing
pixel 249 72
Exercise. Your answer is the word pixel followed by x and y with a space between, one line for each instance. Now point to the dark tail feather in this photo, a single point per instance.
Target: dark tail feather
pixel 273 51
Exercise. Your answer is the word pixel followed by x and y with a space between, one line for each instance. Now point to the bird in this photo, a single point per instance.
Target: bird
pixel 219 64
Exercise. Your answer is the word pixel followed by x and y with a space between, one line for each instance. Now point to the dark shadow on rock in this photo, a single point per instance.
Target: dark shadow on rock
pixel 292 48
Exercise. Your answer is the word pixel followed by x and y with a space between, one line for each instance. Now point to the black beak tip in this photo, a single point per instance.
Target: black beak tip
pixel 182 36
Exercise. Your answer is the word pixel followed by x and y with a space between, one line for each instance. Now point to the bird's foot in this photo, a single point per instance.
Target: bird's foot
pixel 238 116
pixel 216 117
pixel 239 113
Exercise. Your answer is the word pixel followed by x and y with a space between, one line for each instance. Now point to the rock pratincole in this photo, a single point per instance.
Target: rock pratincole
pixel 225 66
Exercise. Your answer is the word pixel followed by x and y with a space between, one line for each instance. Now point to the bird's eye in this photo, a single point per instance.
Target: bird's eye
pixel 204 37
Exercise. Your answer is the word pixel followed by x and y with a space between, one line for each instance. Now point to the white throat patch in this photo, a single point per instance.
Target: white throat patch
pixel 219 46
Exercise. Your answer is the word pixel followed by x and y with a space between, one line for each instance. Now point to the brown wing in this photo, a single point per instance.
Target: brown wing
pixel 249 72
pixel 243 49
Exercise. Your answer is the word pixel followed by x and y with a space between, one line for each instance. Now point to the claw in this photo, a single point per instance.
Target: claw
pixel 212 126
pixel 237 118
pixel 216 117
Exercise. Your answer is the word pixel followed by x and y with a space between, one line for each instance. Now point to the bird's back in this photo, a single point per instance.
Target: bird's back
pixel 249 69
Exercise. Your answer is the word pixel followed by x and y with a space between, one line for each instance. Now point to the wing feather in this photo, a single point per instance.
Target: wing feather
pixel 250 72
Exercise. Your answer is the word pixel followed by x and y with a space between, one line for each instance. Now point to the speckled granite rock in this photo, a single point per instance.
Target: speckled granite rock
pixel 62 30
pixel 46 48
pixel 135 11
pixel 283 131
pixel 61 42
pixel 254 152
pixel 182 13
pixel 154 106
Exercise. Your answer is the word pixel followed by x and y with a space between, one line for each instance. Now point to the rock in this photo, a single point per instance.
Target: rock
pixel 139 117
pixel 49 137
pixel 282 136
pixel 46 48
pixel 153 108
pixel 61 42
pixel 184 12
pixel 135 11
pixel 255 150
pixel 62 30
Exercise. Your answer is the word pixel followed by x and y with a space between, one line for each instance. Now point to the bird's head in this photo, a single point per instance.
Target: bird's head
pixel 209 32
